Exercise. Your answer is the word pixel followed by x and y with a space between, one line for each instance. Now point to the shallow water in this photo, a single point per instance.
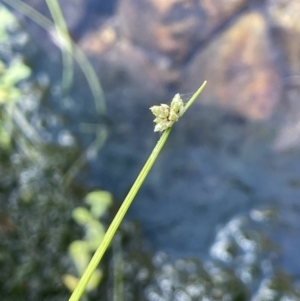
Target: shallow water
pixel 205 197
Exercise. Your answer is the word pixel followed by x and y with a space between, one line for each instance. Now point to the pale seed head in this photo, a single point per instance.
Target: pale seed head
pixel 167 115
pixel 173 116
pixel 160 127
pixel 161 111
pixel 177 103
pixel 158 120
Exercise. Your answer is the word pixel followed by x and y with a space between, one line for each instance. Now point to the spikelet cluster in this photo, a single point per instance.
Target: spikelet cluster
pixel 166 115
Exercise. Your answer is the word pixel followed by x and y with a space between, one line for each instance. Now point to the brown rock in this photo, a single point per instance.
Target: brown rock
pixel 173 27
pixel 285 13
pixel 120 56
pixel 99 40
pixel 164 7
pixel 218 11
pixel 239 68
pixel 144 68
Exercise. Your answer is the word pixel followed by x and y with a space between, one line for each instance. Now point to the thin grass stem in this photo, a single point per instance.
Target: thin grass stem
pixel 66 45
pixel 80 288
pixel 194 97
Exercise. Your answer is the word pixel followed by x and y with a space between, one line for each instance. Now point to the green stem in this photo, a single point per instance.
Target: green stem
pixel 118 219
pixel 194 97
pixel 77 293
pixel 63 33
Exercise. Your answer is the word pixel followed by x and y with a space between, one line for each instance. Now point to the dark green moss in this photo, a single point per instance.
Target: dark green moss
pixel 35 225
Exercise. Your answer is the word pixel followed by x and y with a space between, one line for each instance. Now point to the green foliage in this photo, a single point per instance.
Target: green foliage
pixel 12 72
pixel 10 75
pixel 81 250
pixel 7 20
pixel 99 201
pixel 37 230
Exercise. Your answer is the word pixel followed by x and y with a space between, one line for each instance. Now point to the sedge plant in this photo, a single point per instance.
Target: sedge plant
pixel 165 117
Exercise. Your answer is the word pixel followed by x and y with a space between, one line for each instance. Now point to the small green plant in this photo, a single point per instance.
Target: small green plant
pixel 81 250
pixel 11 74
pixel 111 231
pixel 7 20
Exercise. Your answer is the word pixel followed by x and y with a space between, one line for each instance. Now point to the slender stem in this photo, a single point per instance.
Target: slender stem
pixel 194 97
pixel 118 219
pixel 63 34
pixel 79 290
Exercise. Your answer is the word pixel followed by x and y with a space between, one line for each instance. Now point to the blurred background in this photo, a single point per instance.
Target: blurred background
pixel 218 217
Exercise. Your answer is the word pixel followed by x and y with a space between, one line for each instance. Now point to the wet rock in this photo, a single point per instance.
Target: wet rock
pixel 288 135
pixel 173 27
pixel 285 17
pixel 145 38
pixel 190 279
pixel 117 60
pixel 249 273
pixel 100 40
pixel 241 73
pixel 286 23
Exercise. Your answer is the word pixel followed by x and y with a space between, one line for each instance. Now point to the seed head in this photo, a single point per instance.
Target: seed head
pixel 167 115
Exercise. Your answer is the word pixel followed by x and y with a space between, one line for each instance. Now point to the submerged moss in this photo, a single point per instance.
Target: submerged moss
pixel 36 227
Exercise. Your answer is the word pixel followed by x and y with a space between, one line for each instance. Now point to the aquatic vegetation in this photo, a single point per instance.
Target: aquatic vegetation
pixel 10 76
pixel 35 224
pixel 65 43
pixel 12 71
pixel 70 52
pixel 81 250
